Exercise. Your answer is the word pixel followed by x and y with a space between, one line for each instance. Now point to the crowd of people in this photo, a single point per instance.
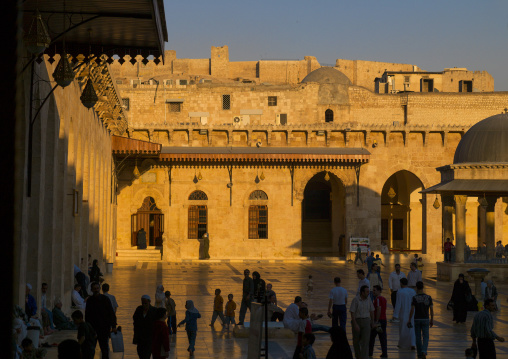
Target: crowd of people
pixel 94 316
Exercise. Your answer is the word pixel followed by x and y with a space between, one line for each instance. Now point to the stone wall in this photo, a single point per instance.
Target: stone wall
pixel 70 212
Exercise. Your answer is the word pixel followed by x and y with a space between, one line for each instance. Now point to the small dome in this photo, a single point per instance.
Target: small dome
pixel 327 75
pixel 487 141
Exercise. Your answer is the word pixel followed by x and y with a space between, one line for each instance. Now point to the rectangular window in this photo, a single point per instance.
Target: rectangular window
pixel 406 79
pixel 197 221
pixel 258 222
pixel 283 118
pixel 125 103
pixel 175 106
pixel 272 100
pixel 183 82
pixel 226 102
pixel 427 85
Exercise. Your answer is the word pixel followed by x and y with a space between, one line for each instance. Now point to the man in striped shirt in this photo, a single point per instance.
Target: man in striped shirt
pixel 482 331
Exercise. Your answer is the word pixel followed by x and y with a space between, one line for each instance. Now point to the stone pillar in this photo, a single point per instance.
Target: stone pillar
pixel 447 217
pixel 460 227
pixel 490 226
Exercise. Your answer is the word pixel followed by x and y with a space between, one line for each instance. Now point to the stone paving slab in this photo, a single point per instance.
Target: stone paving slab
pixel 198 281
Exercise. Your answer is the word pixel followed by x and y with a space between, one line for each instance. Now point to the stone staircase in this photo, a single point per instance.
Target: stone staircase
pixel 129 257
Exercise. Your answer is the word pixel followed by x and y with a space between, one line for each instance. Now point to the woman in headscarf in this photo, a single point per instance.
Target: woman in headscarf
pixel 460 294
pixel 95 272
pixel 191 324
pixel 491 292
pixel 160 297
pixel 340 348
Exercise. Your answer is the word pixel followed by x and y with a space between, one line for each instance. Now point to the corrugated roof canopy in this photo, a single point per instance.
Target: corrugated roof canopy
pixel 299 154
pixel 123 146
pixel 471 187
pixel 110 27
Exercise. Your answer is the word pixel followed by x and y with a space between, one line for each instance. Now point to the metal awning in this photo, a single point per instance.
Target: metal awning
pixel 109 27
pixel 269 154
pixel 471 187
pixel 124 146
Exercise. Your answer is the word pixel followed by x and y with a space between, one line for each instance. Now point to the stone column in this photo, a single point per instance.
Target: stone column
pixel 447 219
pixel 460 227
pixel 490 226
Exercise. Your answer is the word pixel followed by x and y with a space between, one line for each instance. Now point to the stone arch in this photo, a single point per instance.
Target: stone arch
pixel 403 211
pixel 409 168
pixel 142 193
pixel 323 214
pixel 329 115
pixel 345 179
pixel 197 195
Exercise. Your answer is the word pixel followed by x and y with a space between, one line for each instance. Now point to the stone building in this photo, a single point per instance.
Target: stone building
pixel 279 159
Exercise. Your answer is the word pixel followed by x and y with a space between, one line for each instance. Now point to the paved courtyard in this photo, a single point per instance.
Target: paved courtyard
pixel 197 281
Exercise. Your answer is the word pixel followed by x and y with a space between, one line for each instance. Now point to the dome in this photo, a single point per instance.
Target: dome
pixel 327 75
pixel 487 141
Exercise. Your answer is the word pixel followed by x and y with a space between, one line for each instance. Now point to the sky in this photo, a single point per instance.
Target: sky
pixel 430 34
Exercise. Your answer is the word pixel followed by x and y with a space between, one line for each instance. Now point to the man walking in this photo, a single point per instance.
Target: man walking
pixel 99 313
pixel 358 254
pixel 394 284
pixel 247 294
pixel 362 319
pixel 144 319
pixel 402 310
pixel 482 331
pixel 362 280
pixel 105 291
pixel 413 276
pixel 370 260
pixel 379 323
pixel 337 304
pixel 420 307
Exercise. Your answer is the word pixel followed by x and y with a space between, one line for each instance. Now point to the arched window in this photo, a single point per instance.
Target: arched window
pixel 328 115
pixel 198 196
pixel 258 216
pixel 258 195
pixel 198 216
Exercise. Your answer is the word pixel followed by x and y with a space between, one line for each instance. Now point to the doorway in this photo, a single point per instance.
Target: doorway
pixel 151 219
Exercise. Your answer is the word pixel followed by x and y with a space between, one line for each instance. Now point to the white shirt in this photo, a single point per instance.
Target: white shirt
pixel 112 298
pixel 43 301
pixel 413 277
pixel 361 283
pixel 394 280
pixel 292 317
pixel 78 300
pixel 339 295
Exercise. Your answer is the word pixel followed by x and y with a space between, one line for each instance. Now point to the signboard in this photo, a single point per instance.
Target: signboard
pixel 355 242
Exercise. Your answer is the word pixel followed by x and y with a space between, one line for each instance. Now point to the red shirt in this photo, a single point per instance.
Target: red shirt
pixel 305 327
pixel 380 302
pixel 448 246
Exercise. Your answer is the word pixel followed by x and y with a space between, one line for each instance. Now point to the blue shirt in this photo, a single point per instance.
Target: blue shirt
pixel 191 321
pixel 31 306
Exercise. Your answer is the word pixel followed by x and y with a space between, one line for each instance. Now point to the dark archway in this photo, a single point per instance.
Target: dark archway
pixel 323 215
pixel 328 115
pixel 151 219
pixel 402 212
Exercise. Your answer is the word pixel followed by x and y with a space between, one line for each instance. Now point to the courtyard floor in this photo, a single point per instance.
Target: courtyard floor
pixel 198 281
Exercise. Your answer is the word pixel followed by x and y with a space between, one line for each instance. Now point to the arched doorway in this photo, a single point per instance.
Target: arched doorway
pixel 151 219
pixel 323 215
pixel 402 212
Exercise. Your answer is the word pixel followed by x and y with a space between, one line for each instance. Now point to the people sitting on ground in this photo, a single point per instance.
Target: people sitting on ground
pixel 491 292
pixel 46 314
pixel 18 334
pixel 259 287
pixel 29 352
pixel 82 280
pixel 95 272
pixel 291 316
pixel 270 292
pixel 77 300
pixel 275 312
pixel 61 321
pixel 313 317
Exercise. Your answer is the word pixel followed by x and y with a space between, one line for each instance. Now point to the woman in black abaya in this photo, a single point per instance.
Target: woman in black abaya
pixel 461 294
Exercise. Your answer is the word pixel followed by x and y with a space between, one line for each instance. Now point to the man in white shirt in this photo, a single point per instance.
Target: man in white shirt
pixel 292 315
pixel 337 302
pixel 413 276
pixel 407 337
pixel 105 291
pixel 46 314
pixel 77 299
pixel 394 284
pixel 363 281
pixel 362 320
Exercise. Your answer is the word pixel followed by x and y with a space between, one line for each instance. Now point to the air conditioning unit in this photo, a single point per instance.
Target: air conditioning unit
pixel 242 120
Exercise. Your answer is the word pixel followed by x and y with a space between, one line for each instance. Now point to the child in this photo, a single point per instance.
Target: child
pixel 305 327
pixel 230 311
pixel 310 286
pixel 160 338
pixel 308 351
pixel 171 312
pixel 29 352
pixel 191 324
pixel 470 353
pixel 218 305
pixel 418 261
pixel 87 338
pixel 379 263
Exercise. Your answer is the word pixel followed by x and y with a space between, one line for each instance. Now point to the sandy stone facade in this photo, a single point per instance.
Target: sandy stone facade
pixel 217 104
